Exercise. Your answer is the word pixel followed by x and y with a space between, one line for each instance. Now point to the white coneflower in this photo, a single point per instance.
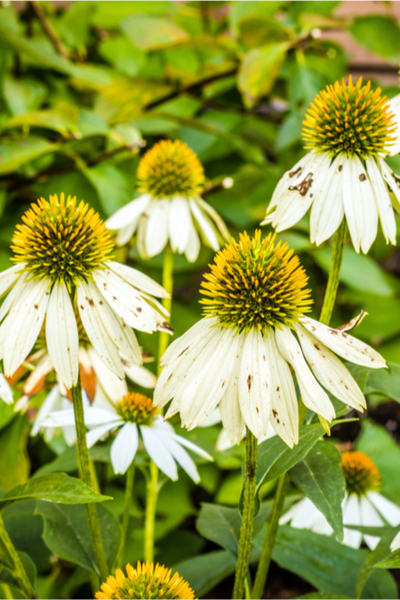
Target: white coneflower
pixel 395 545
pixel 6 393
pixel 133 415
pixel 349 130
pixel 63 250
pixel 223 442
pixel 239 356
pixel 362 504
pixel 170 210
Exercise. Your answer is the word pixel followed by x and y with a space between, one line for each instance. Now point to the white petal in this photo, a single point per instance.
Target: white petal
pixel 313 396
pixel 327 210
pixel 51 403
pixel 215 217
pixel 36 378
pixel 137 279
pixel 125 300
pixel 124 448
pixel 23 324
pixel 395 545
pixel 369 518
pixel 205 225
pixel 345 345
pixel 179 224
pixel 213 419
pixel 139 375
pixel 5 390
pixel 383 202
pixel 393 184
pixel 229 406
pixel 129 213
pixel 158 453
pixel 254 385
pixel 284 408
pixel 156 236
pixel 9 277
pixel 124 235
pixel 389 511
pixel 13 295
pixel 198 331
pixel 193 245
pixel 114 387
pixel 94 435
pixel 351 516
pixel 330 371
pixel 62 335
pixel 181 456
pixel 189 445
pixel 96 332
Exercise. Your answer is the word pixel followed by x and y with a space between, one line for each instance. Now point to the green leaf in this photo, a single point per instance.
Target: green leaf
pixel 205 571
pixel 63 119
pixel 57 487
pixel 22 95
pixel 66 533
pixel 320 478
pixel 276 458
pixel 17 152
pixel 358 271
pixel 385 381
pixel 379 34
pixel 259 69
pixel 14 457
pixel 113 186
pixel 242 9
pixel 381 558
pixel 148 32
pixel 7 575
pixel 220 525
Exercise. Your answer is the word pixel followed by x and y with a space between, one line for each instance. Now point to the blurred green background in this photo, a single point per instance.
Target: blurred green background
pixel 85 87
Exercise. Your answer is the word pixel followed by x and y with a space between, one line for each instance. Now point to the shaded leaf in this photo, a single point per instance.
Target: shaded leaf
pixel 259 69
pixel 207 570
pixel 379 34
pixel 14 457
pixel 17 152
pixel 148 32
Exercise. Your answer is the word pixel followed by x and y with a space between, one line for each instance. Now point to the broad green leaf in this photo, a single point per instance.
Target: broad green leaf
pixel 380 34
pixel 56 487
pixel 205 571
pixel 320 478
pixel 221 525
pixel 123 55
pixel 17 152
pixel 14 457
pixel 112 186
pixel 66 533
pixel 259 69
pixel 7 574
pixel 109 14
pixel 381 557
pixel 244 9
pixel 148 32
pixel 358 271
pixel 276 458
pixel 385 381
pixel 63 119
pixel 22 95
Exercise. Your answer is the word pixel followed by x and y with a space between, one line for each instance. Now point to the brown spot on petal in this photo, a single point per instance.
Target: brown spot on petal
pixel 362 177
pixel 275 412
pixel 36 306
pixel 249 382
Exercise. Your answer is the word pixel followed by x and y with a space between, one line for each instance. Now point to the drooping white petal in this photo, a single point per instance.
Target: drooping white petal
pixel 124 235
pixel 393 184
pixel 180 456
pixel 94 435
pixel 50 404
pixel 200 330
pixel 158 453
pixel 114 387
pixel 9 277
pixel 179 224
pixel 62 335
pixel 125 301
pixel 395 545
pixel 215 217
pixel 330 371
pixel 5 390
pixel 189 445
pixel 254 385
pixel 205 225
pixel 95 330
pixel 389 511
pixel 369 518
pixel 327 210
pixel 128 213
pixel 345 345
pixel 351 516
pixel 139 375
pixel 156 236
pixel 93 416
pixel 313 396
pixel 383 202
pixel 124 448
pixel 13 295
pixel 359 204
pixel 284 408
pixel 231 414
pixel 193 244
pixel 23 324
pixel 140 281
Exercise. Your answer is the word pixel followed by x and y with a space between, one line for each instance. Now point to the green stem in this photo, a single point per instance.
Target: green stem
pixel 246 530
pixel 150 516
pixel 15 564
pixel 270 537
pixel 334 272
pixel 130 476
pixel 168 285
pixel 86 476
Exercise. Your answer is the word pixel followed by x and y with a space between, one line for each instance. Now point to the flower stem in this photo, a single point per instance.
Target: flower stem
pixel 130 476
pixel 270 537
pixel 246 529
pixel 168 285
pixel 150 516
pixel 15 564
pixel 334 272
pixel 86 476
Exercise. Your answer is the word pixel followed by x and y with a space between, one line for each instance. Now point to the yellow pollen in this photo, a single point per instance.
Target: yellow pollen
pixel 170 169
pixel 255 284
pixel 360 473
pixel 146 581
pixel 136 408
pixel 359 118
pixel 61 240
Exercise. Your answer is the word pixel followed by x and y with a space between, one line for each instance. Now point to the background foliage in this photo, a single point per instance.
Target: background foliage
pixel 84 87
